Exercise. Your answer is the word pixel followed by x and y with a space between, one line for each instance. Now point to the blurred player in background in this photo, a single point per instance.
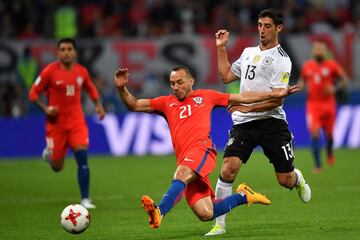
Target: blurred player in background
pixel 264 68
pixel 320 74
pixel 62 81
pixel 187 112
pixel 27 69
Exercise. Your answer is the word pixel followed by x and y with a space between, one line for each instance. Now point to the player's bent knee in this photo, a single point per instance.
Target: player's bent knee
pixel 315 134
pixel 203 209
pixel 56 166
pixel 230 169
pixel 185 174
pixel 205 215
pixel 229 175
pixel 286 180
pixel 56 169
pixel 80 148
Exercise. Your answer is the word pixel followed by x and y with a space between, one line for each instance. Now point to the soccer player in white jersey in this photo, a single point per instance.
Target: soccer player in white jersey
pixel 263 68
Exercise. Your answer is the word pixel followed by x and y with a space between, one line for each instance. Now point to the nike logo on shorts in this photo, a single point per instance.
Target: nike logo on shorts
pixel 188 159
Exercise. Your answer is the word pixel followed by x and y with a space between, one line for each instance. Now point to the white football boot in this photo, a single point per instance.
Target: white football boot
pixel 85 202
pixel 216 230
pixel 302 187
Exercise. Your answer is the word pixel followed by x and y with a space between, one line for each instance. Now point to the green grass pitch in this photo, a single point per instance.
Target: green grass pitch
pixel 32 198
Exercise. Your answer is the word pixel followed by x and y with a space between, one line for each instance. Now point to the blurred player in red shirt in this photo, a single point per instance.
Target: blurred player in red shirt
pixel 187 113
pixel 62 81
pixel 322 77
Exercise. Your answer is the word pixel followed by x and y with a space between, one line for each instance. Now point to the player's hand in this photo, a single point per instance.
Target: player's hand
pixel 51 111
pixel 222 37
pixel 329 90
pixel 100 111
pixel 121 77
pixel 287 91
pixel 238 107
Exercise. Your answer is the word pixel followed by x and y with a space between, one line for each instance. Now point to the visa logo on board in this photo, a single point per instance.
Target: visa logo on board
pixel 347 127
pixel 139 134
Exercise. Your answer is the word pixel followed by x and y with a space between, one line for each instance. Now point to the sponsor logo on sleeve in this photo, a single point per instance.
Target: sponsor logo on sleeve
pixel 38 80
pixel 285 76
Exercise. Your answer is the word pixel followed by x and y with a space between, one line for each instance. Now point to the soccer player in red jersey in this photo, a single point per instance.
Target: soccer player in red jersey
pixel 187 112
pixel 320 75
pixel 62 81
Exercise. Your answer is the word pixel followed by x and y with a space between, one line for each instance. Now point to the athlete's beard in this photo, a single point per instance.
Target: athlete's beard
pixel 319 58
pixel 67 63
pixel 266 43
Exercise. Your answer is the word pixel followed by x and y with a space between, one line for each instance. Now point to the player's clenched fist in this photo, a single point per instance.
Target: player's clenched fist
pixel 222 36
pixel 51 111
pixel 121 77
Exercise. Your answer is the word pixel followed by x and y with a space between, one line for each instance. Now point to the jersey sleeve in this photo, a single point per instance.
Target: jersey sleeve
pixel 336 68
pixel 282 73
pixel 303 71
pixel 159 103
pixel 90 87
pixel 218 98
pixel 40 84
pixel 236 66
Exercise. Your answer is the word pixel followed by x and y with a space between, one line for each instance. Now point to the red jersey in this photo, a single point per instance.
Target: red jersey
pixel 189 120
pixel 63 90
pixel 318 76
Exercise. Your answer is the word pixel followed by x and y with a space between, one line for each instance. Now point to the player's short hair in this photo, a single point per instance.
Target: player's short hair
pixel 186 69
pixel 66 40
pixel 274 14
pixel 321 42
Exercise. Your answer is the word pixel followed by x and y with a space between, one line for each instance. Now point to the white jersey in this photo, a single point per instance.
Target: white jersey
pixel 261 71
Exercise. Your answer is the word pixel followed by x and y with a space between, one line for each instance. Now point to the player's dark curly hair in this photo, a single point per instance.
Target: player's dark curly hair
pixel 66 40
pixel 274 14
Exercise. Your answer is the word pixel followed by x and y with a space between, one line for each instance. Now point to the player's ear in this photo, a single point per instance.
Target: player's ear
pixel 192 81
pixel 279 27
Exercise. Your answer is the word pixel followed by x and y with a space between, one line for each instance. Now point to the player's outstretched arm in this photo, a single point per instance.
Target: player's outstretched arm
pixel 121 79
pixel 253 97
pixel 34 97
pixel 344 78
pixel 50 111
pixel 264 105
pixel 342 82
pixel 224 67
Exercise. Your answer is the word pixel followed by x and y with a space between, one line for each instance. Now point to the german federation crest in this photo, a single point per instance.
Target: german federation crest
pixel 268 60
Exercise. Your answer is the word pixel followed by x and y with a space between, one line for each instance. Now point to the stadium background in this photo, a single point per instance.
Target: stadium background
pixel 149 37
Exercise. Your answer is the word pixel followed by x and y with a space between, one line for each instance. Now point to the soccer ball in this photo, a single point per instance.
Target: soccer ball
pixel 75 218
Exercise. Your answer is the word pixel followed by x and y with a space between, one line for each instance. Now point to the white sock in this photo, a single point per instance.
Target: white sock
pixel 299 177
pixel 222 190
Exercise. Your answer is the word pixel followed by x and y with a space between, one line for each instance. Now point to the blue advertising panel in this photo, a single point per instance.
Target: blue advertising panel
pixel 141 133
